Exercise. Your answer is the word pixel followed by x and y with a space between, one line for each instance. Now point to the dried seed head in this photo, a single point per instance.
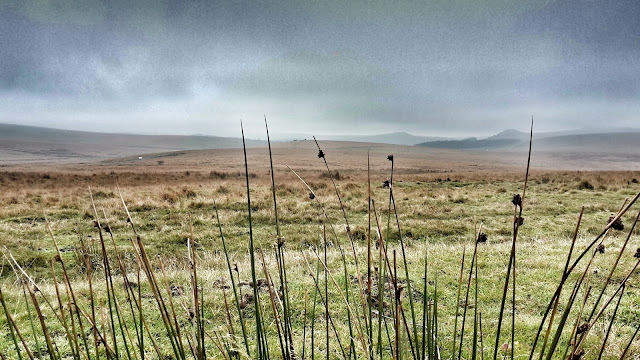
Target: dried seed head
pixel 617 225
pixel 390 157
pixel 482 238
pixel 312 196
pixel 320 154
pixel 600 249
pixel 637 254
pixel 578 354
pixel 107 229
pixel 520 221
pixel 582 328
pixel 281 242
pixel 57 258
pixel 385 184
pixel 95 223
pixel 516 200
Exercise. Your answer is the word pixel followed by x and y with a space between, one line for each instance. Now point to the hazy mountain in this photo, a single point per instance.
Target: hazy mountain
pixel 472 143
pixel 515 134
pixel 514 138
pixel 20 143
pixel 395 138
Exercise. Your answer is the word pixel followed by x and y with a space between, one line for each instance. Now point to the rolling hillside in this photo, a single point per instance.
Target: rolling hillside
pixel 37 144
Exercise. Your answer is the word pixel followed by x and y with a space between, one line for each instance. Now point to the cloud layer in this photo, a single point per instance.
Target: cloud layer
pixel 442 68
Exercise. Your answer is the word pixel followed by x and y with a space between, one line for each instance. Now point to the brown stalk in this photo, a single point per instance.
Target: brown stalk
pixel 12 324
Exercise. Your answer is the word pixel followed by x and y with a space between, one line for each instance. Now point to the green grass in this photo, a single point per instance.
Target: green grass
pixel 437 217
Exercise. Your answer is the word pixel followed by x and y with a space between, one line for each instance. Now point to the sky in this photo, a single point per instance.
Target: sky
pixel 433 68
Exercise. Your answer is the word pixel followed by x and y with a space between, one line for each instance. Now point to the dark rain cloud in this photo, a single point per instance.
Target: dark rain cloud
pixel 439 67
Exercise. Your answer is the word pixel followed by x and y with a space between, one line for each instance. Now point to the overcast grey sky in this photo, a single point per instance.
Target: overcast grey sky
pixel 447 68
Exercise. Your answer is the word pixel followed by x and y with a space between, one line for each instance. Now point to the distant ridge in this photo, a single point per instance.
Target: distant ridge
pixel 394 138
pixel 513 138
pixel 19 143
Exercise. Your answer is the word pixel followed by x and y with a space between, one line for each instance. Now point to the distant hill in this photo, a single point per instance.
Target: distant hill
pixel 510 134
pixel 513 138
pixel 20 143
pixel 395 138
pixel 473 143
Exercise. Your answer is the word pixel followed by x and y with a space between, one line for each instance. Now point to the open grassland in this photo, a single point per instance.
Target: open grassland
pixel 441 200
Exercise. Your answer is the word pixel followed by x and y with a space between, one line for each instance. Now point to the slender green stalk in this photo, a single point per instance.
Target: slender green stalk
pixel 262 351
pixel 613 317
pixel 455 321
pixel 626 349
pixel 322 155
pixel 512 259
pixel 369 258
pixel 233 282
pixel 107 275
pixel 10 324
pixel 324 301
pixel 406 266
pixel 281 263
pixel 425 305
pixel 474 351
pixel 562 280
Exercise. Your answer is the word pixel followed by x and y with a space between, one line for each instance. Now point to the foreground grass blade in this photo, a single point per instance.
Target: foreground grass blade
pixel 262 351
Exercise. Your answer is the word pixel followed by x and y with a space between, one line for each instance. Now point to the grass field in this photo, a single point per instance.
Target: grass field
pixel 440 206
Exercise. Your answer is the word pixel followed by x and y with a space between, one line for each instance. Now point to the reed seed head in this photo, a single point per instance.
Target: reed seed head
pixel 390 157
pixel 637 254
pixel 582 328
pixel 320 154
pixel 520 220
pixel 600 249
pixel 516 200
pixel 482 238
pixel 617 225
pixel 385 184
pixel 312 196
